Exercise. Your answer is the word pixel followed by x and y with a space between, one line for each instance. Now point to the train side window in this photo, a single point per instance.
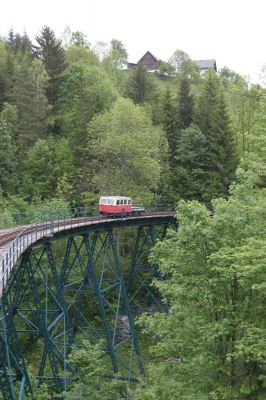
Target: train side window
pixel 129 201
pixel 118 202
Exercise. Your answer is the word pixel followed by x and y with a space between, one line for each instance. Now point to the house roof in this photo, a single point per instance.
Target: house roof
pixel 148 53
pixel 205 64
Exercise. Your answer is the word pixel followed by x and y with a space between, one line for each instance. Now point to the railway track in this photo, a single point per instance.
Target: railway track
pixel 10 234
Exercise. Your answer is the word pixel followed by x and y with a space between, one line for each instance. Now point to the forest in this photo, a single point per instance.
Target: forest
pixel 75 125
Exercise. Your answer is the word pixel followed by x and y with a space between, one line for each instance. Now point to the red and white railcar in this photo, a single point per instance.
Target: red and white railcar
pixel 118 205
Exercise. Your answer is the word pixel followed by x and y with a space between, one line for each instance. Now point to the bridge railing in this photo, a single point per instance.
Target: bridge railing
pixel 9 219
pixel 34 232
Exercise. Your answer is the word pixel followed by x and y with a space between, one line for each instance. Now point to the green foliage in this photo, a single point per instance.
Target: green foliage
pixel 178 60
pixel 5 214
pixel 243 105
pixel 48 168
pixel 8 125
pixel 183 65
pixel 19 44
pixel 213 120
pixel 17 211
pixel 79 39
pixel 212 341
pixel 82 55
pixel 92 385
pixel 128 150
pixel 169 122
pixel 140 85
pixel 118 53
pixel 214 334
pixel 50 50
pixel 113 63
pixel 3 73
pixel 86 91
pixel 29 97
pixel 185 104
pixel 188 174
pixel 164 68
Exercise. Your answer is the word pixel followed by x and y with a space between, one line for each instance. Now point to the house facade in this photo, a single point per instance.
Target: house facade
pixel 149 61
pixel 204 65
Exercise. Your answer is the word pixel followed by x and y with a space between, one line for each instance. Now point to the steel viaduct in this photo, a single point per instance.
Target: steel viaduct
pixel 66 281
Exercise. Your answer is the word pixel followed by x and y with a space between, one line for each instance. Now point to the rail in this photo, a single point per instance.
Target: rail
pixel 14 242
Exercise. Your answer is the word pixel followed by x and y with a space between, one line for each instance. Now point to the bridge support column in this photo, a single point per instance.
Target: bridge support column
pixel 12 364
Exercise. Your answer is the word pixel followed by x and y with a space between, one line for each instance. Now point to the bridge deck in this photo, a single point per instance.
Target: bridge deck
pixel 15 241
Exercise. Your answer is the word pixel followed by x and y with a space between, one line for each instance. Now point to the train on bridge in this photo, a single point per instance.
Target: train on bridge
pixel 118 205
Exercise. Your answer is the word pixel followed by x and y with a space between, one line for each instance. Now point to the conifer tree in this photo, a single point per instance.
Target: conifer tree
pixel 11 38
pixel 185 104
pixel 169 122
pixel 18 43
pixel 140 88
pixel 8 124
pixel 213 120
pixel 50 50
pixel 3 73
pixel 188 174
pixel 29 96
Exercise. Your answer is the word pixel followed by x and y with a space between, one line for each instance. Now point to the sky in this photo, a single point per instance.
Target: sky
pixel 230 31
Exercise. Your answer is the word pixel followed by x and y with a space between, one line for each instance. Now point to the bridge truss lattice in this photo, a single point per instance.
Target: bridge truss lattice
pixel 74 286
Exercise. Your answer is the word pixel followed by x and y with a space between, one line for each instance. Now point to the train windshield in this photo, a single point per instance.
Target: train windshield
pixel 106 201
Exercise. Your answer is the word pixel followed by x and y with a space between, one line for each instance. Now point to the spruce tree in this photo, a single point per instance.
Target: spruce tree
pixel 8 124
pixel 50 50
pixel 3 73
pixel 29 96
pixel 185 104
pixel 213 120
pixel 140 88
pixel 169 122
pixel 17 43
pixel 188 174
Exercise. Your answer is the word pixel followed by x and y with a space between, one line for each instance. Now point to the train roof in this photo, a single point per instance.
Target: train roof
pixel 115 197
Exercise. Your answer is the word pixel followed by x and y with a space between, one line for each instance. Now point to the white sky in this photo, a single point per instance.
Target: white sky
pixel 231 31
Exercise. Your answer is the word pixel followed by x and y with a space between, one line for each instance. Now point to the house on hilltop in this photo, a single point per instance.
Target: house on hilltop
pixel 204 65
pixel 149 61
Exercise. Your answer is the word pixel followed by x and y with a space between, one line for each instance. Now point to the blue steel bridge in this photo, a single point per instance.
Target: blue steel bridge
pixel 65 281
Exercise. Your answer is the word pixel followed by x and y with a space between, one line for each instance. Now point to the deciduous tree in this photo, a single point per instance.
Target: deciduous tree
pixel 128 150
pixel 212 340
